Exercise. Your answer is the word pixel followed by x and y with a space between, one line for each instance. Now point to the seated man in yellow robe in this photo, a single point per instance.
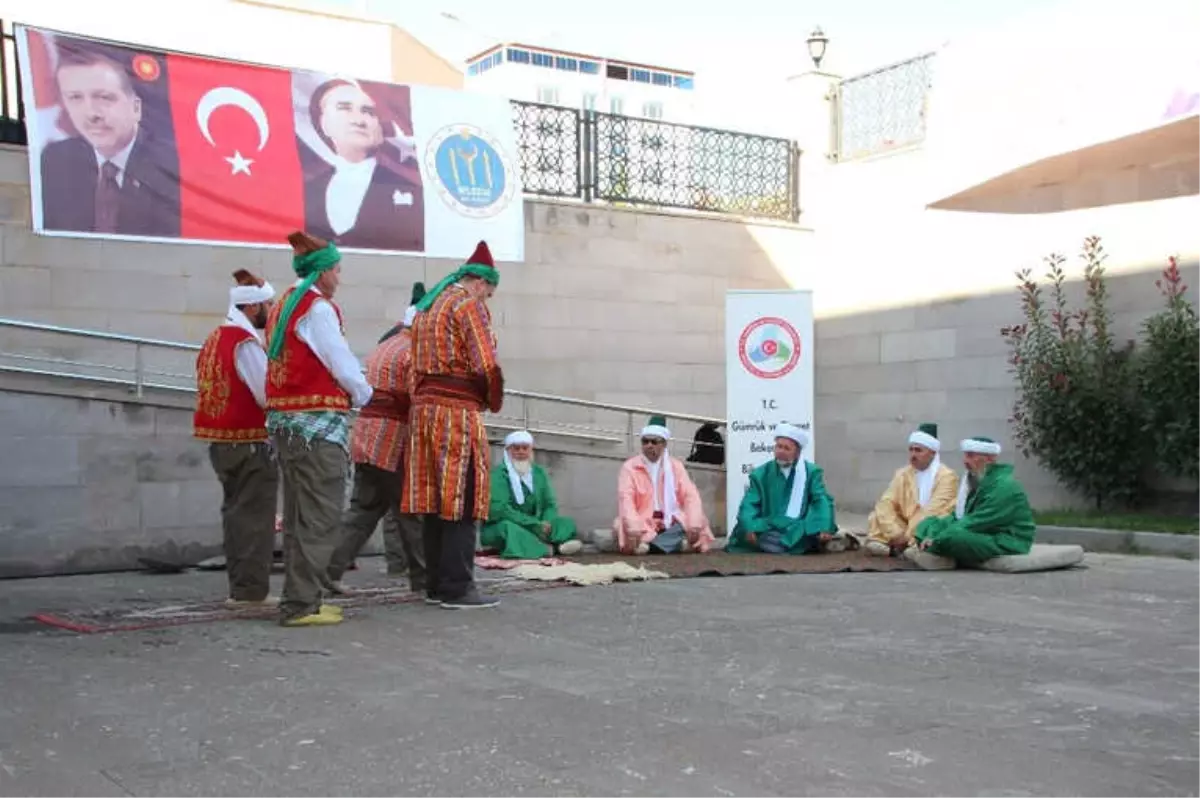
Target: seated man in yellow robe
pixel 922 489
pixel 523 521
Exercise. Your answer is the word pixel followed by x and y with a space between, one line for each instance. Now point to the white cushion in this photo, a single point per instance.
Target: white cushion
pixel 1042 557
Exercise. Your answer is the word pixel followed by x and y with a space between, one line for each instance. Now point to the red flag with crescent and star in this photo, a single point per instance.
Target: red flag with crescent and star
pixel 240 174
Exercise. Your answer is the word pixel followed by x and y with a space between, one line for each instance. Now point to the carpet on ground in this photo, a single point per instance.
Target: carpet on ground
pixel 150 615
pixel 720 563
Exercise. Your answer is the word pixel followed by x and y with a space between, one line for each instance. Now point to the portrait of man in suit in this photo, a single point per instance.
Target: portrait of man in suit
pixel 365 191
pixel 112 175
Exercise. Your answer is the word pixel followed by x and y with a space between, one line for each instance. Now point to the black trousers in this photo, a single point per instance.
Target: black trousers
pixel 450 548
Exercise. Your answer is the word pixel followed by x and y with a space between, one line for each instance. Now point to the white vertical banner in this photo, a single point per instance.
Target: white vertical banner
pixel 768 379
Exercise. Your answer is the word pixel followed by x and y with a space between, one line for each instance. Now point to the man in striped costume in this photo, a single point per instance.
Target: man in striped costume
pixel 231 376
pixel 313 381
pixel 377 450
pixel 456 377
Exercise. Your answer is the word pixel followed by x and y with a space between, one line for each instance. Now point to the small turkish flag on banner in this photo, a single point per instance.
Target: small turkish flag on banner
pixel 240 176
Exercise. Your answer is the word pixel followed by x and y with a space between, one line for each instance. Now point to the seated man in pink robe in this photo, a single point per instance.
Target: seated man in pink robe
pixel 658 506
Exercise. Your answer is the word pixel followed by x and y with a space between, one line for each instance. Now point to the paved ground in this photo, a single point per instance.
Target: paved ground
pixel 1075 683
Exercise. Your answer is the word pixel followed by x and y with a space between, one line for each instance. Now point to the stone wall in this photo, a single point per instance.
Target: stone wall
pixel 91 480
pixel 611 305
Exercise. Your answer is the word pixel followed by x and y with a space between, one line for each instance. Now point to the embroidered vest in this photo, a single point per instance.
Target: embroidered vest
pixel 226 411
pixel 297 380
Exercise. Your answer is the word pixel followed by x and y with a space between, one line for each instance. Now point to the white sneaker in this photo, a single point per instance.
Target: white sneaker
pixel 237 604
pixel 877 548
pixel 570 547
pixel 643 549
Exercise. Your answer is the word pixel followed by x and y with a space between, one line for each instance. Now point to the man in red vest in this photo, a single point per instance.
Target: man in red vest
pixel 313 381
pixel 231 375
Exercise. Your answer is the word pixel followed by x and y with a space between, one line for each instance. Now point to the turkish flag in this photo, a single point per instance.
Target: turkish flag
pixel 239 169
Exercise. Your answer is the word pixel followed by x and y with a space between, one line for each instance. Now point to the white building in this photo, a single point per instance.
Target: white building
pixel 591 83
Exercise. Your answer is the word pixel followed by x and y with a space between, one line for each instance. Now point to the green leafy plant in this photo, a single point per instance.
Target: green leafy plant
pixel 1077 410
pixel 1168 376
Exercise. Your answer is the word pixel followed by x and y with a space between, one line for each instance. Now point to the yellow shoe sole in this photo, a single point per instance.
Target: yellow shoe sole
pixel 331 609
pixel 316 619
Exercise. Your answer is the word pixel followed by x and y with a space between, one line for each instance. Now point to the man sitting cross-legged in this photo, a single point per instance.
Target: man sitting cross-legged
pixel 658 506
pixel 523 521
pixel 922 489
pixel 786 509
pixel 992 517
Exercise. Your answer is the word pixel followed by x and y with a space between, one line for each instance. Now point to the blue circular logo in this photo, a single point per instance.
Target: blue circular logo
pixel 472 170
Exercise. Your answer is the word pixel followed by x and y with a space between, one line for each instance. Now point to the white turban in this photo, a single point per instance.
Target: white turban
pixel 518 437
pixel 791 432
pixel 925 439
pixel 410 315
pixel 980 446
pixel 656 431
pixel 250 294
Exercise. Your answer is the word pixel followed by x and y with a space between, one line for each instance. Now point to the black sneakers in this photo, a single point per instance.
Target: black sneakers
pixel 471 600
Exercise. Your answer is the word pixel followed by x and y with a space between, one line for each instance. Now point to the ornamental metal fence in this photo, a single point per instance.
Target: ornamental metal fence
pixel 884 109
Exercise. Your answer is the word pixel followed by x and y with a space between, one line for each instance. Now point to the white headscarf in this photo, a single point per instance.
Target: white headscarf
pixel 976 446
pixel 800 481
pixel 519 483
pixel 247 295
pixel 926 478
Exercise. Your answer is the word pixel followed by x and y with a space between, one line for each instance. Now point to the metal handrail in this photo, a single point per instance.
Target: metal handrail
pixel 140 384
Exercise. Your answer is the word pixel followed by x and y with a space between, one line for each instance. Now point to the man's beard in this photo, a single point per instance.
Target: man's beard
pixel 784 464
pixel 523 467
pixel 260 319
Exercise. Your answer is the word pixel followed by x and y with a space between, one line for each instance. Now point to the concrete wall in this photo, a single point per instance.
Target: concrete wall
pixel 93 482
pixel 610 305
pixel 910 303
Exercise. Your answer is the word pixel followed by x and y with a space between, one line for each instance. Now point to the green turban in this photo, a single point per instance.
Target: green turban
pixel 308 267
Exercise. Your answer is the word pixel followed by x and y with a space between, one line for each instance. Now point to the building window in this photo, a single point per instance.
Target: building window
pixel 653 110
pixel 589 67
pixel 547 95
pixel 566 64
pixel 616 105
pixel 589 101
pixel 641 75
pixel 518 56
pixel 661 79
pixel 473 69
pixel 617 72
pixel 543 60
pixel 682 82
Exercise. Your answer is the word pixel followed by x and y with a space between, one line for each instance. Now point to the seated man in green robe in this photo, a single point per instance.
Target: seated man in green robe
pixel 523 521
pixel 786 509
pixel 992 516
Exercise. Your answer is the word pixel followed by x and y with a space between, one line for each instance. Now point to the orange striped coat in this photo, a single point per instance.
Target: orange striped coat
pixel 455 376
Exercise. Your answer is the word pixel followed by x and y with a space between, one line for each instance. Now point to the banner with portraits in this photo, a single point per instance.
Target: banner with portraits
pixel 134 143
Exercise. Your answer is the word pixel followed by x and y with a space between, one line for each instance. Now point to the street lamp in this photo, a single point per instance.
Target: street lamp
pixel 817 42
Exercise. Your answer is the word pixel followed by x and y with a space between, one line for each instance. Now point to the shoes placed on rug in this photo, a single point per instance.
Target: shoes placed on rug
pixel 877 548
pixel 243 604
pixel 316 619
pixel 340 588
pixel 473 600
pixel 570 547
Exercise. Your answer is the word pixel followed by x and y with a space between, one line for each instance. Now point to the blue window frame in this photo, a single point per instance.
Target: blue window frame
pixel 543 60
pixel 661 79
pixel 566 64
pixel 473 69
pixel 516 56
pixel 683 83
pixel 589 67
pixel 641 75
